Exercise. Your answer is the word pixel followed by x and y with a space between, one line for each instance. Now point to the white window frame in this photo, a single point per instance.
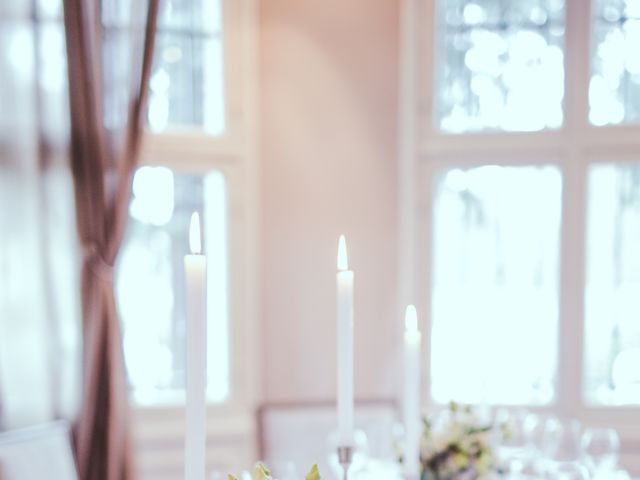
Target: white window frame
pixel 159 430
pixel 425 151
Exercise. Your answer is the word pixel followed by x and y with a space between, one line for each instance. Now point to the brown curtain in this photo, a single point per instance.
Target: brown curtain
pixel 102 163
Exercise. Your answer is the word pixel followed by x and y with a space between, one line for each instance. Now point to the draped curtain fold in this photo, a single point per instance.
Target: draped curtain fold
pixel 102 164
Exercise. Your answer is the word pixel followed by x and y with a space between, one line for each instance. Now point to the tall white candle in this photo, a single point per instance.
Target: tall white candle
pixel 195 266
pixel 345 346
pixel 412 420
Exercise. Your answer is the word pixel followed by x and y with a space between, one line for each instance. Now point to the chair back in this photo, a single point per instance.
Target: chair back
pixel 305 433
pixel 37 453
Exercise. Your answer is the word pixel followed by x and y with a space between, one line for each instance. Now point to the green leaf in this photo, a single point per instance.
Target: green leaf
pixel 313 474
pixel 260 472
pixel 231 477
pixel 476 430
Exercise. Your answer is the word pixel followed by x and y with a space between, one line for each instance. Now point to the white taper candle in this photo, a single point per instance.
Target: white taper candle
pixel 195 266
pixel 345 346
pixel 412 420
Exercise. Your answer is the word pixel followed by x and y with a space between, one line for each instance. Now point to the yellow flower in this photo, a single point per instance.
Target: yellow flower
pixel 461 461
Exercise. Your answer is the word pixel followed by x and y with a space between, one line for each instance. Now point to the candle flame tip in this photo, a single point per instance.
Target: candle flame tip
pixel 195 242
pixel 411 319
pixel 343 262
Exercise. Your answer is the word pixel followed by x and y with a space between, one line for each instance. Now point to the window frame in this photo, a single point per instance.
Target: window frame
pixel 574 147
pixel 230 429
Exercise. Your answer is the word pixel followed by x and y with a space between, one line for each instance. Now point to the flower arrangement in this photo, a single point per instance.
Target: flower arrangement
pixel 457 447
pixel 260 472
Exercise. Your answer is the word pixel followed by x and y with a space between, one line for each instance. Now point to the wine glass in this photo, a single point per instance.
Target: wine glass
pixel 537 435
pixel 563 440
pixel 567 471
pixel 600 447
pixel 621 475
pixel 283 470
pixel 510 436
pixel 528 472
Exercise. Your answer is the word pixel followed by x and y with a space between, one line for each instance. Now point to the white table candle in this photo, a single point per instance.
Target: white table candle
pixel 412 420
pixel 345 347
pixel 195 266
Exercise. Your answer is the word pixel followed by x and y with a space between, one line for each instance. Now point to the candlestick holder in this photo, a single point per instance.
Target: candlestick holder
pixel 345 456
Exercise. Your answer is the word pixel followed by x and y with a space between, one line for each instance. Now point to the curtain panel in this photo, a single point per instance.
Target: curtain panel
pixel 39 311
pixel 106 109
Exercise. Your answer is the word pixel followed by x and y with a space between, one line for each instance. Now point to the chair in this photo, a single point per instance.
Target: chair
pixel 304 433
pixel 37 453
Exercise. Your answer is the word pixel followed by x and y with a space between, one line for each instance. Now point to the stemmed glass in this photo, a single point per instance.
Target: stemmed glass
pixel 567 471
pixel 600 447
pixel 538 427
pixel 562 440
pixel 510 437
pixel 284 470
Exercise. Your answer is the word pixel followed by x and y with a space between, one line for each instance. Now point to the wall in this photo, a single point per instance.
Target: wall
pixel 328 88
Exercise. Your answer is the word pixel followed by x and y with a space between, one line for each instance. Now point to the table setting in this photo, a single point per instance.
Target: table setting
pixel 462 442
pixel 456 442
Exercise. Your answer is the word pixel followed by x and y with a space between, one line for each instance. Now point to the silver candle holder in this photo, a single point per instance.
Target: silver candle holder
pixel 345 457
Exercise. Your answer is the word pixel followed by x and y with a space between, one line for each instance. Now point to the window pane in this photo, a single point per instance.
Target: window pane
pixel 500 65
pixel 119 14
pixel 50 9
pixel 52 81
pixel 150 282
pixel 612 330
pixel 187 81
pixel 17 64
pixel 39 294
pixel 495 285
pixel 16 9
pixel 204 16
pixel 117 74
pixel 614 92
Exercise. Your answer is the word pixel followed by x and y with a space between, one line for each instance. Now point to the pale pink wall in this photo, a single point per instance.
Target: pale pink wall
pixel 328 166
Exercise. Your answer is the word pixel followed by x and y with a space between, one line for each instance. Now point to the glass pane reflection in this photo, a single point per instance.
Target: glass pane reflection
pixel 614 91
pixel 500 65
pixel 150 282
pixel 495 285
pixel 612 330
pixel 187 80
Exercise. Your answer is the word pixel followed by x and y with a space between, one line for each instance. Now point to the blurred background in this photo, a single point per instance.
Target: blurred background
pixel 482 158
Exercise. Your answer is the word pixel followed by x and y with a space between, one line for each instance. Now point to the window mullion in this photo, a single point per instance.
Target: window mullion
pixel 426 52
pixel 577 72
pixel 571 325
pixel 571 334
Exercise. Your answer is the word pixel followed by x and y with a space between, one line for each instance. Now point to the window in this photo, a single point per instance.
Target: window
pixel 199 152
pixel 491 55
pixel 150 283
pixel 33 58
pixel 186 83
pixel 496 252
pixel 614 91
pixel 198 156
pixel 522 173
pixel 187 165
pixel 612 329
pixel 187 88
pixel 39 313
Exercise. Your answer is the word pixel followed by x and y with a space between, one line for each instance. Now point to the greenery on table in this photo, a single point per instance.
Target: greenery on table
pixel 457 446
pixel 260 472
